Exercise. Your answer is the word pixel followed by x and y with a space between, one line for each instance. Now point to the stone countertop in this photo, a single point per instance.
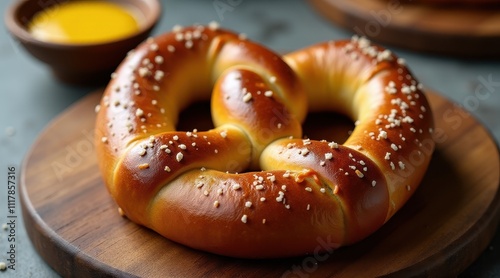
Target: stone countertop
pixel 31 97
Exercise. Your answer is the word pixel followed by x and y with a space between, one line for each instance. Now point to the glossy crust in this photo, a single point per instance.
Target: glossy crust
pixel 295 196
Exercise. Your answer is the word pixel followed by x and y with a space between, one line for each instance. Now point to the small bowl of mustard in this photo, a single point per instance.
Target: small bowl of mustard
pixel 82 41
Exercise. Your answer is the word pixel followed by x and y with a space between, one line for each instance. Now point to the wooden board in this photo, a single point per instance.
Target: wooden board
pixel 453 30
pixel 75 226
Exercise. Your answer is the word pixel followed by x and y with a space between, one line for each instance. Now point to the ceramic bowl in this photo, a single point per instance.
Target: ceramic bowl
pixel 79 63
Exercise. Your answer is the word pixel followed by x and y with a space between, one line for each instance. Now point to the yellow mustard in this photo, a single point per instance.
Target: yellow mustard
pixel 82 22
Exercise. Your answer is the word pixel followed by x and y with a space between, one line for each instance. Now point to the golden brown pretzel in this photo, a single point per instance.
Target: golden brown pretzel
pixel 187 185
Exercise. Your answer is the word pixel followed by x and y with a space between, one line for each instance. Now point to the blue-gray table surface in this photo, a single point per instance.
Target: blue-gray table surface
pixel 31 97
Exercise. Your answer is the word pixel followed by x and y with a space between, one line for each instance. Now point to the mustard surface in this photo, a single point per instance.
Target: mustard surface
pixel 82 22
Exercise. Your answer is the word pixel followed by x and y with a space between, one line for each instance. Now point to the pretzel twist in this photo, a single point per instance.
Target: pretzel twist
pixel 186 185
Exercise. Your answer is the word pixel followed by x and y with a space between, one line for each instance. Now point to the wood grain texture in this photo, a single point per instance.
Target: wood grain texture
pixel 454 30
pixel 74 224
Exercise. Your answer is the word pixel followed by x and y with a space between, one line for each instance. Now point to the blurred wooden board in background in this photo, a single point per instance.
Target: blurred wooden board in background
pixel 451 30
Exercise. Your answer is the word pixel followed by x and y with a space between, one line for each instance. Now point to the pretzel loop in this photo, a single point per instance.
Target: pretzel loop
pixel 188 185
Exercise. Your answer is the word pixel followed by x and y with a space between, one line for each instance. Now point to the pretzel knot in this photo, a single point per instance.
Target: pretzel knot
pixel 253 187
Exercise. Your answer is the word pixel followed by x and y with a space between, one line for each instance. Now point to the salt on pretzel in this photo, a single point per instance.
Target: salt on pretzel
pixel 296 192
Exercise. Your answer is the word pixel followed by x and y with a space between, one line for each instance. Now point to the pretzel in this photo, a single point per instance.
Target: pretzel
pixel 253 186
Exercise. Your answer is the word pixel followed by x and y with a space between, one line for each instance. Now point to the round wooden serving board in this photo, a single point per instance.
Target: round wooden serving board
pixel 455 30
pixel 74 224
